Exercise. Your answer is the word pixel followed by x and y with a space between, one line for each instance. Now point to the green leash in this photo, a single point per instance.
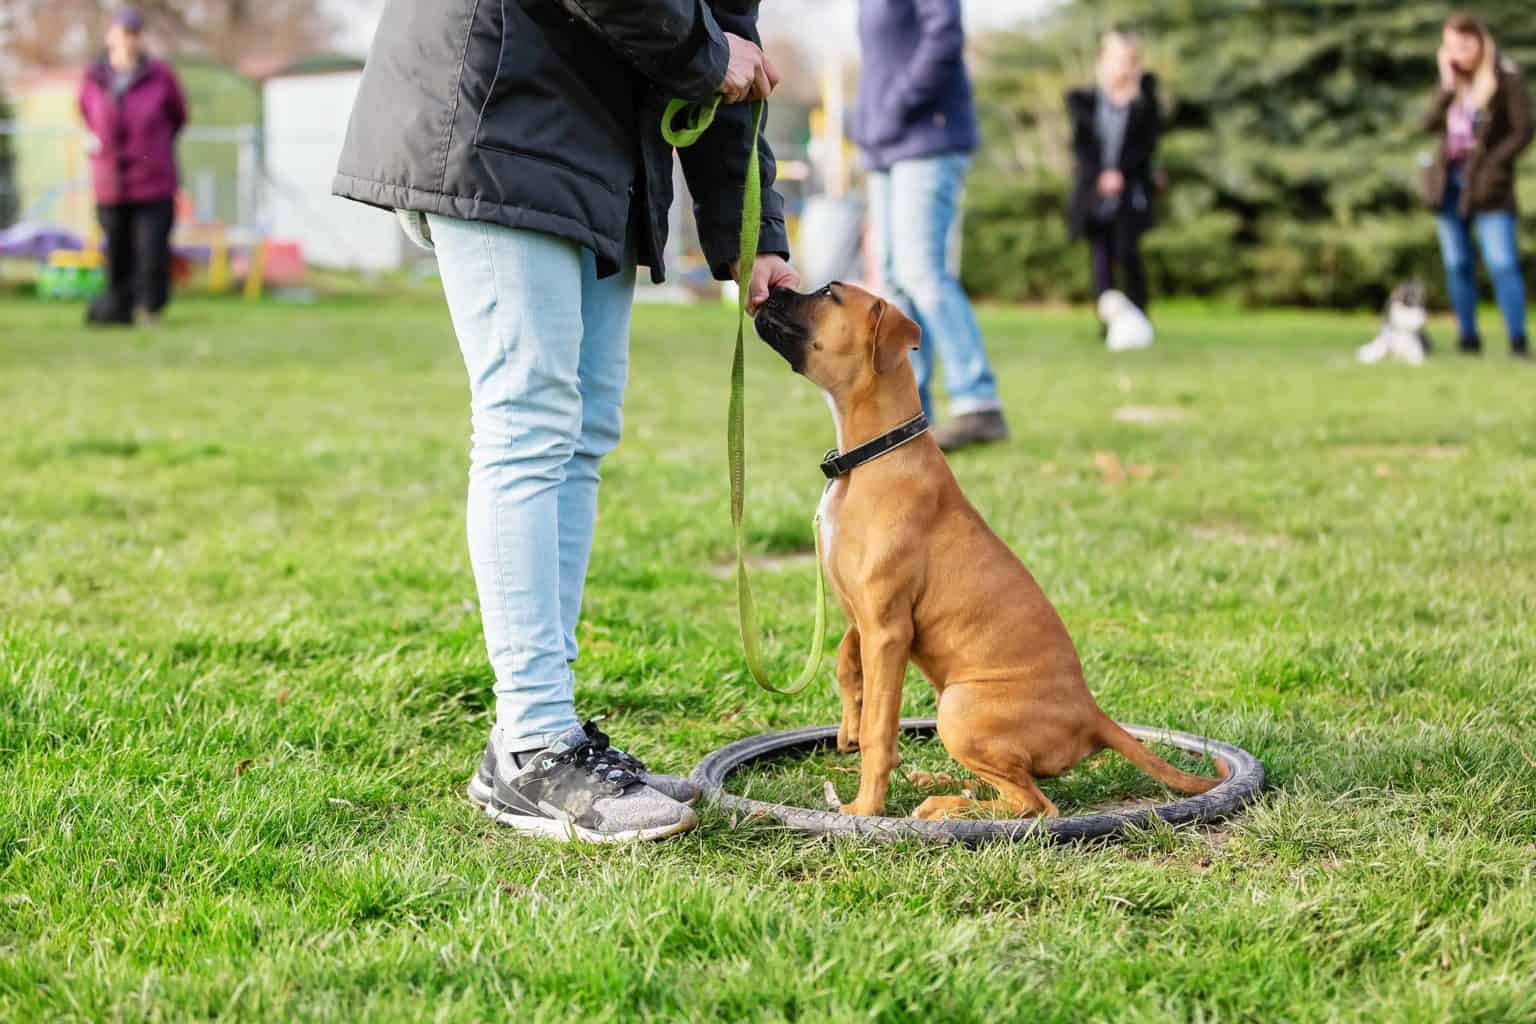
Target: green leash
pixel 699 118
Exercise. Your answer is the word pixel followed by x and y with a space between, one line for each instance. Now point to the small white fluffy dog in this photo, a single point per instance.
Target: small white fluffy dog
pixel 1402 336
pixel 1126 326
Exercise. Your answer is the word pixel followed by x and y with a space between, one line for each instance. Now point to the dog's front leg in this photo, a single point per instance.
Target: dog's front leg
pixel 850 684
pixel 885 652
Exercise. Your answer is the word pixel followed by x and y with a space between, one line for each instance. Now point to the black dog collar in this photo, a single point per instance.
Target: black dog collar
pixel 835 465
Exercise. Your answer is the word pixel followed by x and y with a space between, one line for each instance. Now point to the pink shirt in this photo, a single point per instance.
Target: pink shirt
pixel 1460 131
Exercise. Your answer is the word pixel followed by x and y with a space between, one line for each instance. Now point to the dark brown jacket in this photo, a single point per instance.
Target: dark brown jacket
pixel 1503 130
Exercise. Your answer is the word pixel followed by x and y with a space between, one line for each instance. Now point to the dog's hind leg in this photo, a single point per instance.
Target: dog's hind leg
pixel 970 731
pixel 1020 798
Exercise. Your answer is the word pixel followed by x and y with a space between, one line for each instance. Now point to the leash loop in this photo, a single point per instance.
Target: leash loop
pixel 699 116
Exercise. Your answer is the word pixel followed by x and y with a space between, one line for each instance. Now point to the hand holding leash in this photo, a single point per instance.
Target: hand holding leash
pixel 750 75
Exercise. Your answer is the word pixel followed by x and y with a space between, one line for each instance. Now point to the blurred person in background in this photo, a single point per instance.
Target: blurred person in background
pixel 916 125
pixel 1482 113
pixel 1115 129
pixel 134 109
pixel 522 143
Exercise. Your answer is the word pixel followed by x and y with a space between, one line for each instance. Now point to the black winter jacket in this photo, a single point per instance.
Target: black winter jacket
pixel 545 115
pixel 1137 154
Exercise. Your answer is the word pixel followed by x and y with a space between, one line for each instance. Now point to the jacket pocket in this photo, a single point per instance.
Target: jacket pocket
pixel 545 158
pixel 1492 186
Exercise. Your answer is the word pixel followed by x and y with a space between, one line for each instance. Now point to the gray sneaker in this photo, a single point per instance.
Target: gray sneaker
pixel 971 428
pixel 574 789
pixel 684 791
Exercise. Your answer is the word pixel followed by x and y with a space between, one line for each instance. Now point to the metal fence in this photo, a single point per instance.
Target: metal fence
pixel 45 175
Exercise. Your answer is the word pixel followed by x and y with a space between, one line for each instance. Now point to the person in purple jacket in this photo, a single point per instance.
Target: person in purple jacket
pixel 916 125
pixel 134 109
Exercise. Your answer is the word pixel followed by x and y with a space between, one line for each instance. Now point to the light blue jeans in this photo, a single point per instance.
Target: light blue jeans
pixel 914 212
pixel 1496 236
pixel 546 345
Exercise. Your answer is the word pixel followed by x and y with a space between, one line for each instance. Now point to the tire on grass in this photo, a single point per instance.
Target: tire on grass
pixel 1245 778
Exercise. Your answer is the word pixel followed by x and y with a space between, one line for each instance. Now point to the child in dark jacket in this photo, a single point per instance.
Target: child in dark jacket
pixel 1115 129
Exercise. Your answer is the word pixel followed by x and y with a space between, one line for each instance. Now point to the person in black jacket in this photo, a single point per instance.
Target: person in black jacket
pixel 522 142
pixel 1115 128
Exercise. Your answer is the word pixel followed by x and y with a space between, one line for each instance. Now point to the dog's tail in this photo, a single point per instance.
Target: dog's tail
pixel 1111 735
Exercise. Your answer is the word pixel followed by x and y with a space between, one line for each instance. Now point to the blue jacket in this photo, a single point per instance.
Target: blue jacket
pixel 914 96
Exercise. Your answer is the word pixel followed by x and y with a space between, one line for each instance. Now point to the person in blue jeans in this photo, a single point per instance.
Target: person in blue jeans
pixel 916 125
pixel 1482 114
pixel 523 145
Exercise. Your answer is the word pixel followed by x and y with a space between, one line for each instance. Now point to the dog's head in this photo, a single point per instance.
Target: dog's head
pixel 839 337
pixel 1409 293
pixel 1405 308
pixel 1113 304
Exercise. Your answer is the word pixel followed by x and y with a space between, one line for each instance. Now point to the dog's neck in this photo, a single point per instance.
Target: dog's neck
pixel 875 411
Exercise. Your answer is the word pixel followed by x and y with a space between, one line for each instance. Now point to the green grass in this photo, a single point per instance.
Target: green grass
pixel 242 684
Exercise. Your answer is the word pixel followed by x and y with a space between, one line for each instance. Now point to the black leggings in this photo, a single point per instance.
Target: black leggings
pixel 1117 245
pixel 138 255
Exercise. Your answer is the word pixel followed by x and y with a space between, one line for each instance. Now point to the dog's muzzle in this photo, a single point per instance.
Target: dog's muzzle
pixel 780 321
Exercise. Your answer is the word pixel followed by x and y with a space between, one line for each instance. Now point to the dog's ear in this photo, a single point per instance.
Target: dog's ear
pixel 892 335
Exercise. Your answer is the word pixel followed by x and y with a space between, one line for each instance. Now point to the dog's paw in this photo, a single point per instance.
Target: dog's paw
pixel 931 781
pixel 938 808
pixel 847 744
pixel 862 810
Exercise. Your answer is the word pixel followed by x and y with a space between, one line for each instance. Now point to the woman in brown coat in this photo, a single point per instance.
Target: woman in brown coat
pixel 1482 114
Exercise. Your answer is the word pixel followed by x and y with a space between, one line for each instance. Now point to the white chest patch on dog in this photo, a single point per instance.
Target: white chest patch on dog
pixel 826 519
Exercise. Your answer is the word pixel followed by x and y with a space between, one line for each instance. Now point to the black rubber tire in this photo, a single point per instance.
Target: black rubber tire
pixel 1245 778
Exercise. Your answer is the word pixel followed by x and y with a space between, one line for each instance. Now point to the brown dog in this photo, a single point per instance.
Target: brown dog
pixel 921 577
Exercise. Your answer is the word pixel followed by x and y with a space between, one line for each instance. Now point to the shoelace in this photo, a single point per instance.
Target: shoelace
pixel 599 757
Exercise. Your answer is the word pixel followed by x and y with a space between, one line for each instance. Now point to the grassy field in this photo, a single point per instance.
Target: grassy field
pixel 242 684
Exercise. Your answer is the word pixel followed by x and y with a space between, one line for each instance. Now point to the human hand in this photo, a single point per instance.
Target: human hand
pixel 750 75
pixel 769 271
pixel 1447 69
pixel 1111 183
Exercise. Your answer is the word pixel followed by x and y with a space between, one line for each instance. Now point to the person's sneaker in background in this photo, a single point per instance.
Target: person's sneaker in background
pixel 574 789
pixel 971 428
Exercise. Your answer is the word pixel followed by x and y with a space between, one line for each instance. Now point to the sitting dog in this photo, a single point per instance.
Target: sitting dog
pixel 1125 325
pixel 1403 336
pixel 921 577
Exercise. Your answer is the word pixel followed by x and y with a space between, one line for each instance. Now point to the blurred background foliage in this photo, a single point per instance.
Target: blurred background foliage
pixel 1291 147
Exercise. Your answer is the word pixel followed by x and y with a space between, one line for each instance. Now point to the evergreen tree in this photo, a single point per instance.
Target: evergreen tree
pixel 1293 145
